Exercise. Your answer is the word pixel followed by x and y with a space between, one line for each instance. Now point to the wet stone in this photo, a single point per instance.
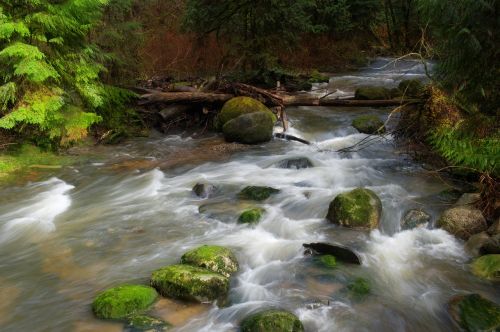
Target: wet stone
pixel 295 163
pixel 414 219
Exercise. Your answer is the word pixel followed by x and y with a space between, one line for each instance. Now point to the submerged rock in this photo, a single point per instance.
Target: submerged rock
pixel 475 313
pixel 204 190
pixel 257 193
pixel 476 242
pixel 372 93
pixel 359 288
pixel 250 128
pixel 369 124
pixel 342 254
pixel 360 208
pixel 214 258
pixel 122 301
pixel 328 261
pixel 251 216
pixel 487 267
pixel 414 219
pixel 190 283
pixel 295 163
pixel 463 221
pixel 238 106
pixel 272 320
pixel 143 323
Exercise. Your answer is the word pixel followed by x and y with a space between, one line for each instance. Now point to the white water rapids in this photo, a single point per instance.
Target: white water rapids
pixel 90 227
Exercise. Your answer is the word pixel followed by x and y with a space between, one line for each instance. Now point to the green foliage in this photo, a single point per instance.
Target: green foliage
pixel 466 42
pixel 50 71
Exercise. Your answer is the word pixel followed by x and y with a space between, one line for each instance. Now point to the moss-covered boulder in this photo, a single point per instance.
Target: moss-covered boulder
pixel 238 106
pixel 214 258
pixel 272 320
pixel 122 301
pixel 369 124
pixel 411 88
pixel 251 128
pixel 475 313
pixel 487 267
pixel 190 283
pixel 251 216
pixel 360 208
pixel 256 193
pixel 372 93
pixel 143 323
pixel 328 261
pixel 463 221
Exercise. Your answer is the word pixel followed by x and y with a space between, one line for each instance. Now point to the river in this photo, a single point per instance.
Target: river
pixel 99 223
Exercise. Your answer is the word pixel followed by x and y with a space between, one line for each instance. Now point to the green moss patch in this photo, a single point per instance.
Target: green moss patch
pixel 257 193
pixel 122 301
pixel 359 288
pixel 215 258
pixel 487 267
pixel 190 283
pixel 369 124
pixel 237 106
pixel 360 208
pixel 272 320
pixel 251 216
pixel 475 313
pixel 328 261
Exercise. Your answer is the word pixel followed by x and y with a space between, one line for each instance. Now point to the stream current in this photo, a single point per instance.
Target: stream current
pixel 92 226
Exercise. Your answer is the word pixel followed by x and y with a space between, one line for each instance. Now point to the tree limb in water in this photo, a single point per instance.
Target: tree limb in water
pixel 291 138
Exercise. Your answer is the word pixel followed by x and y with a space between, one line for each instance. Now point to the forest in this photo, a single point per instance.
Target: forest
pixel 392 106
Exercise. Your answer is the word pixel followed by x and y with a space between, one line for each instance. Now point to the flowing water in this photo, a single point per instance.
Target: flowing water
pixel 117 218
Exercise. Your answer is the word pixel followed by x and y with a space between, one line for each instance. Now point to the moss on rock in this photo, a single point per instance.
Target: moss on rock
pixel 256 193
pixel 214 258
pixel 360 208
pixel 475 313
pixel 190 283
pixel 238 106
pixel 328 261
pixel 372 93
pixel 272 320
pixel 143 323
pixel 369 124
pixel 487 267
pixel 411 88
pixel 122 301
pixel 250 128
pixel 359 288
pixel 251 216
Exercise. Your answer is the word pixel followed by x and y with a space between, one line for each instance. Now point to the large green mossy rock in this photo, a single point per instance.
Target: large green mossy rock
pixel 487 267
pixel 251 216
pixel 214 258
pixel 257 193
pixel 238 106
pixel 475 313
pixel 360 208
pixel 143 323
pixel 369 124
pixel 272 320
pixel 122 301
pixel 372 93
pixel 250 128
pixel 190 283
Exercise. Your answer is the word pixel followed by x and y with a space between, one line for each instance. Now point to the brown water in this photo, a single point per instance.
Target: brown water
pixel 130 210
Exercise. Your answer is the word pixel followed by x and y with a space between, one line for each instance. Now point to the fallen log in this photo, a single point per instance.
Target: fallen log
pixel 299 100
pixel 291 138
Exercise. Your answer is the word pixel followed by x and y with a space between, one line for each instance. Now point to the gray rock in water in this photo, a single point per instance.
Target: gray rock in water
pixel 463 221
pixel 468 199
pixel 295 163
pixel 414 219
pixel 495 228
pixel 492 247
pixel 342 254
pixel 476 242
pixel 204 190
